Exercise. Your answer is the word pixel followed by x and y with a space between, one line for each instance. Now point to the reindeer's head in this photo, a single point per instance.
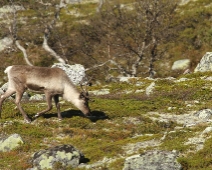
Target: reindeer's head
pixel 84 98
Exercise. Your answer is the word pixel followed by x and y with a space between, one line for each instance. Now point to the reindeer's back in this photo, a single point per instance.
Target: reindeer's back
pixel 37 76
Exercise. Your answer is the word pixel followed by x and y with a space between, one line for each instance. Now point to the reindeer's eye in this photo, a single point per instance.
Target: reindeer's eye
pixel 81 96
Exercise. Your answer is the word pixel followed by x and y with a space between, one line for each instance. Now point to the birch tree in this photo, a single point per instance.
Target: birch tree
pixel 45 25
pixel 131 35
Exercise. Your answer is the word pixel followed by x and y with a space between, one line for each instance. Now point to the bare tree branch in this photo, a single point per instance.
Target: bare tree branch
pixel 51 51
pixel 101 2
pixel 121 69
pixel 13 31
pixel 47 34
pixel 24 52
pixel 96 66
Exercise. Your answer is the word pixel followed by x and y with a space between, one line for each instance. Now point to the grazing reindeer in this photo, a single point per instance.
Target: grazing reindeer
pixel 53 82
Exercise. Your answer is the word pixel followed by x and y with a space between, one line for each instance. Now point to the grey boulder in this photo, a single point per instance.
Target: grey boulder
pixel 63 156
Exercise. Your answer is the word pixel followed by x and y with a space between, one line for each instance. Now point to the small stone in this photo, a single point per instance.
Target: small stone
pixel 181 64
pixel 207 130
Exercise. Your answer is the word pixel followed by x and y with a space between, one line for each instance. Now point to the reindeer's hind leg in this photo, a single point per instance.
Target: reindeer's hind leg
pixel 57 104
pixel 49 102
pixel 7 94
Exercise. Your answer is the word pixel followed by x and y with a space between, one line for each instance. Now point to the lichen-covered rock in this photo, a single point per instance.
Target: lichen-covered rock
pixel 65 155
pixel 37 97
pixel 153 160
pixel 207 130
pixel 11 142
pixel 181 64
pixel 150 88
pixel 205 63
pixel 4 86
pixel 75 72
pixel 204 114
pixel 1 91
pixel 10 8
pixel 100 92
pixel 81 1
pixel 5 42
pixel 128 79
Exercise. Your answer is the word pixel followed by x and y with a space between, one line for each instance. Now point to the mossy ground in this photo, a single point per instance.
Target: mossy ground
pixel 123 119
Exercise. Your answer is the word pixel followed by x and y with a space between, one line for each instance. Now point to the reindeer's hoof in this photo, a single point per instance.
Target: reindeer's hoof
pixel 28 120
pixel 87 115
pixel 36 116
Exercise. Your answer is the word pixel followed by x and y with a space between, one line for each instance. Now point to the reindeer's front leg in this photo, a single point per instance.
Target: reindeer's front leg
pixel 57 104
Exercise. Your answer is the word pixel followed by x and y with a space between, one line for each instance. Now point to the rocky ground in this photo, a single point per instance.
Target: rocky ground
pixel 153 123
pixel 136 123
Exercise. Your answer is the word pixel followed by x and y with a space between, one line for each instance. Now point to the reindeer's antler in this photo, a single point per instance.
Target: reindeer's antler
pixel 85 82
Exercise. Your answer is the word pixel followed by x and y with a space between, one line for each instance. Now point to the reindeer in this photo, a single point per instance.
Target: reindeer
pixel 53 82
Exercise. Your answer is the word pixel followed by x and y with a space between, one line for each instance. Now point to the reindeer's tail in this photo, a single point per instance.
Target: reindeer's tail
pixel 7 69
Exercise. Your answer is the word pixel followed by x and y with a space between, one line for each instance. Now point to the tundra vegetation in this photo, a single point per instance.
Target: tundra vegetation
pixel 128 120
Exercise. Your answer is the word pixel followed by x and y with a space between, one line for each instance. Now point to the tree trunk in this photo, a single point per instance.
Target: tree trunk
pixel 152 60
pixel 24 52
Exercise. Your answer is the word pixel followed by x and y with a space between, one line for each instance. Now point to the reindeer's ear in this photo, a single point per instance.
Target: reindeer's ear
pixel 84 96
pixel 81 96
